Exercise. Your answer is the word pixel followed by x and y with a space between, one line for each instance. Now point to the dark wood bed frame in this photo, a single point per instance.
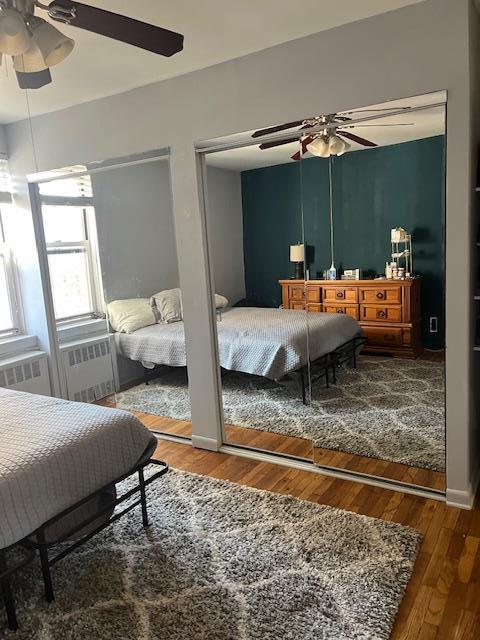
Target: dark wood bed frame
pixel 37 542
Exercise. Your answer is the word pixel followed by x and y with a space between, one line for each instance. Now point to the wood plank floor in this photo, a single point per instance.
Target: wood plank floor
pixel 300 448
pixel 442 601
pixel 381 468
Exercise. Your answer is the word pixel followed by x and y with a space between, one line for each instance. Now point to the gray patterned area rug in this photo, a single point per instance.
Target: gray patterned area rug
pixel 390 409
pixel 225 562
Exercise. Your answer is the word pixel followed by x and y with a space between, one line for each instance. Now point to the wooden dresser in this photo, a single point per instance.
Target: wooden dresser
pixel 388 310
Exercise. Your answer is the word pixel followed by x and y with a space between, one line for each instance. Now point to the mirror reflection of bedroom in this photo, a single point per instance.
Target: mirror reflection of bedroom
pixel 331 345
pixel 257 385
pixel 112 259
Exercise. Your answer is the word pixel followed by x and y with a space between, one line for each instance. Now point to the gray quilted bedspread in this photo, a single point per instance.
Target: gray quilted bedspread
pixel 53 453
pixel 263 342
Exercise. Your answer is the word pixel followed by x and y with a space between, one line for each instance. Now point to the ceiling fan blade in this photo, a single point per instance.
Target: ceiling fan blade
pixel 376 110
pixel 277 143
pixel 305 142
pixel 279 127
pixel 34 80
pixel 390 124
pixel 342 118
pixel 112 25
pixel 357 139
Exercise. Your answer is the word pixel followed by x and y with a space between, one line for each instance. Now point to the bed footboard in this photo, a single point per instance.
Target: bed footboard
pixel 7 569
pixel 327 365
pixel 38 541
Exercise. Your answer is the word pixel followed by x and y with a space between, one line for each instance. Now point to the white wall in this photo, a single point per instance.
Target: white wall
pixel 3 140
pixel 225 232
pixel 415 50
pixel 136 236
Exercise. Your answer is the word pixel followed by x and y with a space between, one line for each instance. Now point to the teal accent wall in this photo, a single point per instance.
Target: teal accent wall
pixel 374 191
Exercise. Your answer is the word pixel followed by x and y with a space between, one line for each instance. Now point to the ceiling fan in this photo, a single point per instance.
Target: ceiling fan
pixel 330 133
pixel 36 45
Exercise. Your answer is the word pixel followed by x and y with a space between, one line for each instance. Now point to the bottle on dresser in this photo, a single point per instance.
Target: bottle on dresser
pixel 332 273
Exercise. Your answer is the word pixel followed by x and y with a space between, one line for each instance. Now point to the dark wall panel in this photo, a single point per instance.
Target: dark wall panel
pixel 374 191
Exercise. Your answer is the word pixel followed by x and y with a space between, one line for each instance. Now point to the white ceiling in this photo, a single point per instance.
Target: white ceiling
pixel 215 31
pixel 423 123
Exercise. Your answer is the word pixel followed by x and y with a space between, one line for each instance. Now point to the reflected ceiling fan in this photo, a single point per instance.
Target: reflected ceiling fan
pixel 330 134
pixel 36 45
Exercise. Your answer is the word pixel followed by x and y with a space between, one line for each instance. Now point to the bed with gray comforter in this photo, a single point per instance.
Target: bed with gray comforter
pixel 264 342
pixel 54 453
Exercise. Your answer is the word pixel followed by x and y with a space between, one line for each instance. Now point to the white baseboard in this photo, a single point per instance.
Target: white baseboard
pixel 459 499
pixel 335 473
pixel 464 499
pixel 200 442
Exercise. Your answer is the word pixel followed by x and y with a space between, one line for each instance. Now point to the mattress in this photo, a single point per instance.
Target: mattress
pixel 54 453
pixel 264 342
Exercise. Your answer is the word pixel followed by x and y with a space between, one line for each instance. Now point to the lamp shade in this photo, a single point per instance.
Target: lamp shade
pixel 319 147
pixel 53 45
pixel 31 61
pixel 346 147
pixel 297 253
pixel 336 145
pixel 14 35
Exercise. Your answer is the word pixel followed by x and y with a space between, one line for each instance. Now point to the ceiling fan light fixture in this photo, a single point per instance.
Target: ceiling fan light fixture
pixel 31 61
pixel 15 38
pixel 319 147
pixel 346 147
pixel 53 44
pixel 336 145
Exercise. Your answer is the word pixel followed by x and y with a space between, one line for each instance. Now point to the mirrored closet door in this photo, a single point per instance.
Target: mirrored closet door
pixel 373 201
pixel 255 235
pixel 327 239
pixel 110 244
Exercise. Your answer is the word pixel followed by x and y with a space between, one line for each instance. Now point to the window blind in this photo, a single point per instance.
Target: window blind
pixel 76 186
pixel 5 181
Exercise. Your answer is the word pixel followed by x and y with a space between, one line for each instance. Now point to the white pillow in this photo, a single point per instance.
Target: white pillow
pixel 127 316
pixel 168 304
pixel 220 301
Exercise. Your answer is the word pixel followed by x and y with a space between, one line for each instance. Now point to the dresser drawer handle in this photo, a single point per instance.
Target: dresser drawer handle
pixel 340 311
pixel 381 314
pixel 340 294
pixel 380 295
pixel 389 337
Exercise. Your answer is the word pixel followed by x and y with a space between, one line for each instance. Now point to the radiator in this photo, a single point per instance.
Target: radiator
pixel 88 368
pixel 26 372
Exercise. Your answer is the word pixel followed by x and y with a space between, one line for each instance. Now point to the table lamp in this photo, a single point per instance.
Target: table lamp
pixel 297 256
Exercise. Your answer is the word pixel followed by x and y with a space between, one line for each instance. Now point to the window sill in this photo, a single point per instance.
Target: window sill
pixel 17 344
pixel 81 329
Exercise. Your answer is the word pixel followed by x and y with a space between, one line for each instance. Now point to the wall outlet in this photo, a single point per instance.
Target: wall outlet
pixel 433 324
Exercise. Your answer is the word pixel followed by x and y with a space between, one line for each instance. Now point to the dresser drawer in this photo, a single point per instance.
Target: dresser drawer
pixel 383 336
pixel 340 294
pixel 314 294
pixel 346 309
pixel 380 313
pixel 298 305
pixel 314 307
pixel 382 294
pixel 296 292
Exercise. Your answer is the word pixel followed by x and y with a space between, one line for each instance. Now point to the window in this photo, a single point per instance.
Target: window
pixel 70 236
pixel 10 316
pixel 5 181
pixel 10 323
